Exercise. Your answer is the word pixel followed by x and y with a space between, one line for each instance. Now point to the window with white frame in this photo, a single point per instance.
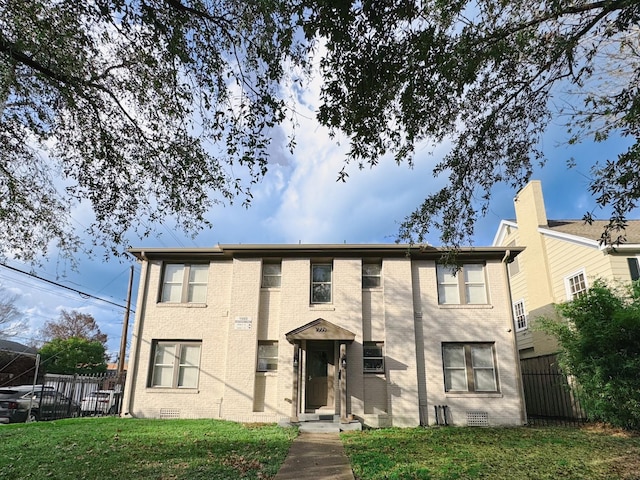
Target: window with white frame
pixel 464 286
pixel 267 356
pixel 373 357
pixel 271 275
pixel 576 285
pixel 371 275
pixel 184 283
pixel 469 367
pixel 519 316
pixel 321 282
pixel 175 364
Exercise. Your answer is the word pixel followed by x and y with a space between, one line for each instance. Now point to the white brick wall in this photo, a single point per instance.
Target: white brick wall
pixel 404 314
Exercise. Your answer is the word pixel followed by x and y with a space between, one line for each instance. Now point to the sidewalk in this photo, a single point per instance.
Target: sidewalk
pixel 318 456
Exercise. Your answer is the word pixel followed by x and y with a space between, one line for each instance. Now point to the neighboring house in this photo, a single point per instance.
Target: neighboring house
pixel 561 260
pixel 17 363
pixel 379 333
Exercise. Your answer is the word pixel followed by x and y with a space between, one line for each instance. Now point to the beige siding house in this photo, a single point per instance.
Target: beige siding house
pixel 562 258
pixel 380 334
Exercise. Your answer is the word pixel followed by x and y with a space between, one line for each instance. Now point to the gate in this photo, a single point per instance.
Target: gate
pixel 551 397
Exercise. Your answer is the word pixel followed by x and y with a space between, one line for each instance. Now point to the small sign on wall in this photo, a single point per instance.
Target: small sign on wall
pixel 243 323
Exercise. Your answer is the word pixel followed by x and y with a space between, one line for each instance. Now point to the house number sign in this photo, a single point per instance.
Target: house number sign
pixel 321 329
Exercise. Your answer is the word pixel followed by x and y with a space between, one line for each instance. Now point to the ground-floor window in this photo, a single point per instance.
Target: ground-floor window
pixel 175 364
pixel 373 357
pixel 267 356
pixel 469 367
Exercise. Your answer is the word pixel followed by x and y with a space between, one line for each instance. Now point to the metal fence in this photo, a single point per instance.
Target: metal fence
pixel 76 395
pixel 551 397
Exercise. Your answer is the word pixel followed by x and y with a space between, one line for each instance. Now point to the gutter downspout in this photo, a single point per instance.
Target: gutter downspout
pixel 136 338
pixel 523 409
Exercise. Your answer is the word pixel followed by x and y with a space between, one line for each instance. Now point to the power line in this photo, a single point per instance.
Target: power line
pixel 79 292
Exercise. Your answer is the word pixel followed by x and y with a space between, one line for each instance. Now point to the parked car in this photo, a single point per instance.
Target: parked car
pixel 45 402
pixel 100 402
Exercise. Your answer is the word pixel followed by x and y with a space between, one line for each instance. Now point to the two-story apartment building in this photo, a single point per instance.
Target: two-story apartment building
pixel 383 334
pixel 561 260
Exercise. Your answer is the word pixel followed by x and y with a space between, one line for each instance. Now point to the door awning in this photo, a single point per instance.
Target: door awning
pixel 320 329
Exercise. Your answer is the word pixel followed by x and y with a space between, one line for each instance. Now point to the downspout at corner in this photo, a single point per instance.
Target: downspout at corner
pixel 523 410
pixel 136 337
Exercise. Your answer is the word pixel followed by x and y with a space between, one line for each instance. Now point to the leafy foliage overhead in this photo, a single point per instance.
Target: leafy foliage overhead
pixel 139 107
pixel 147 109
pixel 487 76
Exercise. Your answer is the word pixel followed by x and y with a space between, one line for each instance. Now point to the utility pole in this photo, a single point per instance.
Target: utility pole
pixel 125 327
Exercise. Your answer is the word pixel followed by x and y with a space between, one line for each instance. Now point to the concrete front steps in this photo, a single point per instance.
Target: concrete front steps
pixel 323 423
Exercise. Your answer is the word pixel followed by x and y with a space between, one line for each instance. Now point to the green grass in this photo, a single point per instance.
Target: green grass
pixel 492 453
pixel 114 448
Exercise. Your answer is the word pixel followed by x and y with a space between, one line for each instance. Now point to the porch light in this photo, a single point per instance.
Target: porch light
pixel 343 362
pixel 295 360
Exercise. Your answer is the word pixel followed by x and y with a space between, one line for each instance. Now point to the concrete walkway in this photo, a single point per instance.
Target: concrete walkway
pixel 317 456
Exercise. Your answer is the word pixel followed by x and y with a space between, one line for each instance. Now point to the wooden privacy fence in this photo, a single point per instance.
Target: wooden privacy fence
pixel 551 397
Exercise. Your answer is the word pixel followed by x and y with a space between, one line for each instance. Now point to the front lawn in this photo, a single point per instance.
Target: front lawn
pixel 114 448
pixel 588 453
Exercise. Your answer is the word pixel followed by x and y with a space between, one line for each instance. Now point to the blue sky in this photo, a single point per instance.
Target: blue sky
pixel 300 201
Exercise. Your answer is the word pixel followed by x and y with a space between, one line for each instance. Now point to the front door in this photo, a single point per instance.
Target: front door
pixel 320 375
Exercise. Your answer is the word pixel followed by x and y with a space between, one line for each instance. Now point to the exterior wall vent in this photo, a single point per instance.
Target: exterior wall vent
pixel 167 413
pixel 477 419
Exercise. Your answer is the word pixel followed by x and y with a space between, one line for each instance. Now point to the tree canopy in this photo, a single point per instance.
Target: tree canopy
pixel 73 324
pixel 145 108
pixel 600 339
pixel 73 355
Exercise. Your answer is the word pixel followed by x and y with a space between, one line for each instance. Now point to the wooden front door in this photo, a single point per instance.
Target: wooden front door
pixel 320 375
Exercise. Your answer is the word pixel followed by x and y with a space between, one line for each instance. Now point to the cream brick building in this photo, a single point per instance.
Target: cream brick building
pixel 378 333
pixel 561 260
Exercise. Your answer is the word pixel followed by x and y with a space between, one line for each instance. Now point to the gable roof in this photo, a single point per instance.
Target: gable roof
pixel 15 347
pixel 581 232
pixel 594 230
pixel 320 329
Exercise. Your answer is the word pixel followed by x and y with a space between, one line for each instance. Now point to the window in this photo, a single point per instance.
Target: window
pixel 373 357
pixel 267 356
pixel 321 283
pixel 371 275
pixel 465 286
pixel 634 268
pixel 576 285
pixel 271 275
pixel 184 283
pixel 519 316
pixel 469 367
pixel 175 364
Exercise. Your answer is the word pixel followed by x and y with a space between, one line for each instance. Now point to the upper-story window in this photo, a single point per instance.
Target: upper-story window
pixel 576 285
pixel 519 316
pixel 514 266
pixel 634 268
pixel 371 275
pixel 321 283
pixel 271 275
pixel 465 286
pixel 184 283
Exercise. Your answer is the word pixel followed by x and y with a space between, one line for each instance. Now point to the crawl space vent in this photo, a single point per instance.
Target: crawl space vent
pixel 169 413
pixel 477 419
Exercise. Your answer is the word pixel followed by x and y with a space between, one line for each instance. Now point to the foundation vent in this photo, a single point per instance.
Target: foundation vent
pixel 167 413
pixel 477 419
